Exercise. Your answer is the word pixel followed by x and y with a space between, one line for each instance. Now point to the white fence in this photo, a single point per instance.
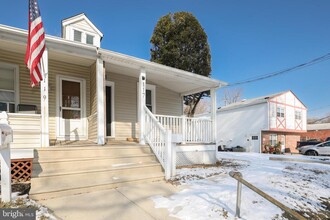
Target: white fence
pixel 159 140
pixel 193 130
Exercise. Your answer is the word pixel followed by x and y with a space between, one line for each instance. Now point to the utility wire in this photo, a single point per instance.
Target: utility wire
pixel 269 75
pixel 320 119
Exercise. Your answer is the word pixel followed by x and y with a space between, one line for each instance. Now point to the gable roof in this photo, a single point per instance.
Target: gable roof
pixel 79 17
pixel 250 102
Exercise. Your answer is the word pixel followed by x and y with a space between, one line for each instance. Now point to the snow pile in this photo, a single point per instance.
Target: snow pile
pixel 210 193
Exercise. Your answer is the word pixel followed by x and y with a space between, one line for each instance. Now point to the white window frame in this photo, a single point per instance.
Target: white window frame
pixel 83 35
pixel 280 112
pixel 271 139
pixel 153 98
pixel 16 81
pixel 152 88
pixel 297 115
pixel 93 38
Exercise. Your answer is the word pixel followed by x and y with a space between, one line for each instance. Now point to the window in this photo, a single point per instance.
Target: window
pixel 148 99
pixel 151 98
pixel 280 112
pixel 254 138
pixel 8 78
pixel 273 139
pixel 83 37
pixel 77 35
pixel 89 39
pixel 298 115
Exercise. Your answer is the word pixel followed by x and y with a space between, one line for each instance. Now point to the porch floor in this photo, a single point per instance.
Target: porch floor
pixel 88 143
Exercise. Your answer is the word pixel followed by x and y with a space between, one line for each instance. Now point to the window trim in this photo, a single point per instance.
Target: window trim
pixel 270 139
pixel 83 35
pixel 153 97
pixel 16 80
pixel 280 112
pixel 152 88
pixel 93 37
pixel 295 115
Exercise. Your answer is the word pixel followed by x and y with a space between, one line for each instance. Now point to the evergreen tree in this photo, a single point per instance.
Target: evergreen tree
pixel 179 41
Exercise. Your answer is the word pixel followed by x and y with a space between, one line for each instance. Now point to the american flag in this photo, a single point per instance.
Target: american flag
pixel 35 43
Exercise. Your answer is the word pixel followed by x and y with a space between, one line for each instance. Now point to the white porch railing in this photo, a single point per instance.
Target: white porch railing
pixel 26 130
pixel 159 140
pixel 193 130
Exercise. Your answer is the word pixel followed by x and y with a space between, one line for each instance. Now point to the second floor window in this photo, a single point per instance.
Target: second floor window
pixel 77 35
pixel 280 112
pixel 298 115
pixel 89 39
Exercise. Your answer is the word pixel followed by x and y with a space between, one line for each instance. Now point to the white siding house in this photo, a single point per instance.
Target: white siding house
pixel 262 121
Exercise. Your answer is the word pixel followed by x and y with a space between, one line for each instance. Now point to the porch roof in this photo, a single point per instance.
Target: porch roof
pixel 183 82
pixel 177 80
pixel 14 39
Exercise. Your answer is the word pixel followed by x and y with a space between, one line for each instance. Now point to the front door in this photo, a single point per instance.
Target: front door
pixel 255 143
pixel 108 110
pixel 71 109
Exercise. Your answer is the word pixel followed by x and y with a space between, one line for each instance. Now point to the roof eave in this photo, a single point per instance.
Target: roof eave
pixel 19 36
pixel 110 56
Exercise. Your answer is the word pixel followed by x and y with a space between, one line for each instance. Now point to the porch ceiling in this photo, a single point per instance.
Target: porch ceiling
pixel 179 81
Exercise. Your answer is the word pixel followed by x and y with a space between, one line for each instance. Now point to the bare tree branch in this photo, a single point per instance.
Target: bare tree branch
pixel 232 95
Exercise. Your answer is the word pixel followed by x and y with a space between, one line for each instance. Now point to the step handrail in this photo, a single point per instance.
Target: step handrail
pixel 239 177
pixel 159 139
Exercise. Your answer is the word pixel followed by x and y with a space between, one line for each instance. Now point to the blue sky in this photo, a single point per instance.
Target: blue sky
pixel 247 38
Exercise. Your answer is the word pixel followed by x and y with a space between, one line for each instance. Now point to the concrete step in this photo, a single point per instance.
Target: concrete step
pixel 79 182
pixel 85 152
pixel 57 167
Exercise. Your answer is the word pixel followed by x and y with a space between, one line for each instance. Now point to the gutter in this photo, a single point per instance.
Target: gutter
pixel 19 36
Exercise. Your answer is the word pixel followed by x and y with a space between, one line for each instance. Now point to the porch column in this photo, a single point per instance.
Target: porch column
pixel 44 102
pixel 100 95
pixel 214 114
pixel 141 104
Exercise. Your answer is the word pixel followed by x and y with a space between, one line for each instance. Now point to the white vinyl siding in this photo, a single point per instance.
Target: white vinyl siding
pixel 166 102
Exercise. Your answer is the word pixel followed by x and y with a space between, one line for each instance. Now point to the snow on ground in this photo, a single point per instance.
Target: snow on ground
pixel 210 193
pixel 22 201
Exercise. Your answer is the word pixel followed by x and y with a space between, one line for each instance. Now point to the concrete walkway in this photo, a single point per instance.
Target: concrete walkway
pixel 124 203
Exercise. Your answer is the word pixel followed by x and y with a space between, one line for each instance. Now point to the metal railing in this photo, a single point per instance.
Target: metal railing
pixel 159 140
pixel 238 176
pixel 193 130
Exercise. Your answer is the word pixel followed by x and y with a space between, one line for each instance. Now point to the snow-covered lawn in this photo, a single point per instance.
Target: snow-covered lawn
pixel 210 193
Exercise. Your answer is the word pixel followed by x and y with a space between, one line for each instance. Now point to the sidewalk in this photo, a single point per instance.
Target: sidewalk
pixel 129 202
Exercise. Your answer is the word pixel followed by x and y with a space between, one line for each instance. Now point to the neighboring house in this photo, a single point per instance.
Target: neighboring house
pixel 317 131
pixel 267 120
pixel 92 93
